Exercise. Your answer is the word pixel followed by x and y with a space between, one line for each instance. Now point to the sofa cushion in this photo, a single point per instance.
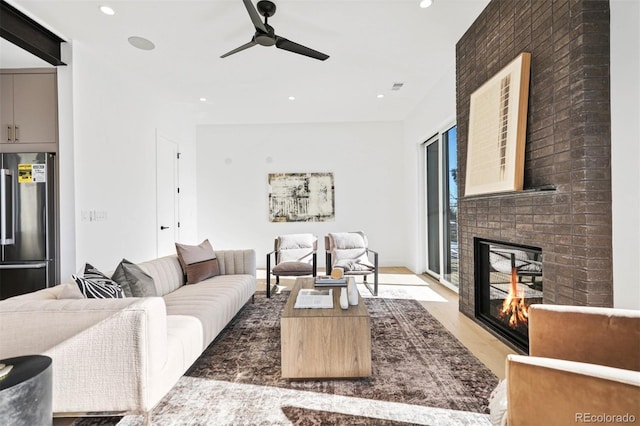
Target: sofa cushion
pixel 94 284
pixel 133 280
pixel 292 267
pixel 214 302
pixel 166 272
pixel 296 248
pixel 198 262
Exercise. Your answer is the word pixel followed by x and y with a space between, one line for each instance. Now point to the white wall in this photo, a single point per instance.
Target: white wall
pixel 436 113
pixel 625 152
pixel 365 158
pixel 114 133
pixel 66 172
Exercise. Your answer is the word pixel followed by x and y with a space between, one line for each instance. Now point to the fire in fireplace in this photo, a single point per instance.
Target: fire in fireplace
pixel 508 281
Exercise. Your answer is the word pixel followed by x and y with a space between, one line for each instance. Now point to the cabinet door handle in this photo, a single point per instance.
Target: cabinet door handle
pixel 15 133
pixel 9 133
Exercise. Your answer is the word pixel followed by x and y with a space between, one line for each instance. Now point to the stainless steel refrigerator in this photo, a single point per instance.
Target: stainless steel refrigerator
pixel 28 237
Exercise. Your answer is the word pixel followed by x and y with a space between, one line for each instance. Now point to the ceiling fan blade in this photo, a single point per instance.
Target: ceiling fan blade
pixel 283 43
pixel 255 16
pixel 240 49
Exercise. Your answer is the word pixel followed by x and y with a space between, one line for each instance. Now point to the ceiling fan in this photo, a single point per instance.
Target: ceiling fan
pixel 266 36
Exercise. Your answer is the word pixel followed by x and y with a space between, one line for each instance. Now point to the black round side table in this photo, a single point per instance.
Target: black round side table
pixel 25 393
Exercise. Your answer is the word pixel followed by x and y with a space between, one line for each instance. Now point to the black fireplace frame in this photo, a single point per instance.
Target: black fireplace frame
pixel 482 269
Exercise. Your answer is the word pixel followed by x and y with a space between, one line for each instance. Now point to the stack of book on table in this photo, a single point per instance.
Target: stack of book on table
pixel 311 298
pixel 327 281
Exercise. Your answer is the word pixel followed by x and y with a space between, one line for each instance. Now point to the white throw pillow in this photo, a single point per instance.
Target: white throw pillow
pixel 498 404
pixel 70 291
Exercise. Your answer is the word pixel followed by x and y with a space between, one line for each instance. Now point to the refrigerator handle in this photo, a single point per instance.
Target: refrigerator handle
pixel 7 220
pixel 37 265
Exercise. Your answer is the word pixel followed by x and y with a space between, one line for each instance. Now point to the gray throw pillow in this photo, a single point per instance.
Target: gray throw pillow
pixel 133 280
pixel 120 278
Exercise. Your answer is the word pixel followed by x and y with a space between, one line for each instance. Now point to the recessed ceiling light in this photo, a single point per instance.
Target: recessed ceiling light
pixel 141 43
pixel 107 10
pixel 426 3
pixel 292 98
pixel 203 99
pixel 380 96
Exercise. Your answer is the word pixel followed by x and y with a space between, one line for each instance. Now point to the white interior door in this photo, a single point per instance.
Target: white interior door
pixel 167 192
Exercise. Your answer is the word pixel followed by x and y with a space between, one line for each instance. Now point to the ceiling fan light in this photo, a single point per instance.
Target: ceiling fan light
pixel 426 3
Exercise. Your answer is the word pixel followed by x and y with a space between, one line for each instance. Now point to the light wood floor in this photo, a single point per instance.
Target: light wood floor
pixel 487 348
pixel 443 305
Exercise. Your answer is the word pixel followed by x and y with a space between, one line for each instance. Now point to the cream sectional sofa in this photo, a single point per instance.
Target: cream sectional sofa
pixel 116 356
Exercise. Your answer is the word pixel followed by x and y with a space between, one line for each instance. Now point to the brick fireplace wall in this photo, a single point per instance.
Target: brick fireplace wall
pixel 567 145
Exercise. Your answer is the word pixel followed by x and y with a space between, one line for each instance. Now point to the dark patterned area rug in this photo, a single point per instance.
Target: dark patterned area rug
pixel 305 417
pixel 421 374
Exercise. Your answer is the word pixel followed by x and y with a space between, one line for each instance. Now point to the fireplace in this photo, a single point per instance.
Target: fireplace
pixel 508 280
pixel 565 205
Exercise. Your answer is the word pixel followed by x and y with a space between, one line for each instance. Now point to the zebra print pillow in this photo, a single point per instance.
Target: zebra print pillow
pixel 96 285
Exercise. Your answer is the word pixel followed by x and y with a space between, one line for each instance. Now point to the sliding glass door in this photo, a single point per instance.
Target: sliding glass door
pixel 441 196
pixel 450 210
pixel 433 206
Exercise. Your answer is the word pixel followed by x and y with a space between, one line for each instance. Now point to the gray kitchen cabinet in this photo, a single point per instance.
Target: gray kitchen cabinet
pixel 28 107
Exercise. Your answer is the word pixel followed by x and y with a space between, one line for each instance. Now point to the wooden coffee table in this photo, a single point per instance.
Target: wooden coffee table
pixel 324 343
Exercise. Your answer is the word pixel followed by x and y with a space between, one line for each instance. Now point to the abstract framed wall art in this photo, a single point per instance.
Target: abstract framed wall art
pixel 301 197
pixel 497 130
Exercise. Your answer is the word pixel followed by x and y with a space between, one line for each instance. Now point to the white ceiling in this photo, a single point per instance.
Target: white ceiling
pixel 372 45
pixel 11 56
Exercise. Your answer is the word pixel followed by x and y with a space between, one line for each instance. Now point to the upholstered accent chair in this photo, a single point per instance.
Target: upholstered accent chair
pixel 350 251
pixel 295 255
pixel 583 362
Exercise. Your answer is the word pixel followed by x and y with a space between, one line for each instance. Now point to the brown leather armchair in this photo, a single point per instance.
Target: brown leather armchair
pixel 583 367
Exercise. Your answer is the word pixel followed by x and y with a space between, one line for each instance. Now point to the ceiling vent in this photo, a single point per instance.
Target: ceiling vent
pixel 397 86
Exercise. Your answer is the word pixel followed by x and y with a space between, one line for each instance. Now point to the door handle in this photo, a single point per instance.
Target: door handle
pixel 162 228
pixel 7 219
pixel 9 133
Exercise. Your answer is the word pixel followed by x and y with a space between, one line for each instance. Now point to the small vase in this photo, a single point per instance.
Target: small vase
pixel 344 299
pixel 352 290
